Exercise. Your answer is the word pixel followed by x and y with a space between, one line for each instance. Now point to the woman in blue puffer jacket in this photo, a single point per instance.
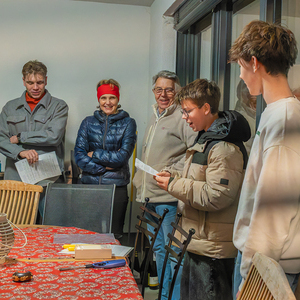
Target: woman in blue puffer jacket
pixel 104 144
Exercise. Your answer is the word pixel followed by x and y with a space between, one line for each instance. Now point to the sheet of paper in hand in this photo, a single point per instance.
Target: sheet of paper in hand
pixel 46 167
pixel 140 165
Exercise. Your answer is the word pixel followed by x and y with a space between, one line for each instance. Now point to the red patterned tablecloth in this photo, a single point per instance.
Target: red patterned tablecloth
pixel 41 258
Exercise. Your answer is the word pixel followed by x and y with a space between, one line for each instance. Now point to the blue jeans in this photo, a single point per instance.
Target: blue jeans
pixel 159 246
pixel 292 278
pixel 237 277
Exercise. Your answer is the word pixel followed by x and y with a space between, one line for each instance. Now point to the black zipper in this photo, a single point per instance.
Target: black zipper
pixel 105 132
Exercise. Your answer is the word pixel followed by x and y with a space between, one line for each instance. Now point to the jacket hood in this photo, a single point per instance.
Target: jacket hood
pixel 101 116
pixel 231 127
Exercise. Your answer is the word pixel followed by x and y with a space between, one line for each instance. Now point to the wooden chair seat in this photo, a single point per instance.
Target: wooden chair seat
pixel 266 280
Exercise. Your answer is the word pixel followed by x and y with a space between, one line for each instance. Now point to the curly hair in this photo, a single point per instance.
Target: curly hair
pixel 201 91
pixel 273 45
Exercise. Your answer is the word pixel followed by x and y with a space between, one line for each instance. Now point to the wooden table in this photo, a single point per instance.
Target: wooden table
pixel 41 258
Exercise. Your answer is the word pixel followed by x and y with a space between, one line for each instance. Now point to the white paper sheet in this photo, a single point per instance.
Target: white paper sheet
pixel 118 250
pixel 46 167
pixel 140 165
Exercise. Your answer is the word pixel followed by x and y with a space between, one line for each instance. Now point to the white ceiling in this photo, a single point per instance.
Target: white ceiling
pixel 128 2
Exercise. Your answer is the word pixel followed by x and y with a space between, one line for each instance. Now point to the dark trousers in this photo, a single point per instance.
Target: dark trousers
pixel 206 278
pixel 119 209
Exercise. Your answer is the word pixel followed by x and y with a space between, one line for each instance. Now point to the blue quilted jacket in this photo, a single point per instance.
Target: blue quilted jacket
pixel 112 139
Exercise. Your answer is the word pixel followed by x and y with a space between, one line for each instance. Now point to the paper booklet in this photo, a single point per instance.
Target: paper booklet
pixel 46 167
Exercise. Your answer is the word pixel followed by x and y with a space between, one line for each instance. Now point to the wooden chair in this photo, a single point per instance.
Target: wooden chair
pixel 266 280
pixel 19 201
pixel 182 246
pixel 152 237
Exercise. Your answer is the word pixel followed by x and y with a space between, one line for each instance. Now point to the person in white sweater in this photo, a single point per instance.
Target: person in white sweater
pixel 268 217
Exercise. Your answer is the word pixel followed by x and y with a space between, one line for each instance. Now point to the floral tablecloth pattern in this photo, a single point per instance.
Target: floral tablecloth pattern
pixel 40 257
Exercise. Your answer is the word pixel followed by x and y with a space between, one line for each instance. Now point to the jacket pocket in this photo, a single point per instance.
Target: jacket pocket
pixel 41 118
pixel 16 124
pixel 15 119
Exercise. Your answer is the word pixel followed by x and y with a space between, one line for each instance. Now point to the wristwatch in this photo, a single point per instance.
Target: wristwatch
pixel 19 136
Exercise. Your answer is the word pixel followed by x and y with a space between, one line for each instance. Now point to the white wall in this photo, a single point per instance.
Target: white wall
pixel 81 43
pixel 162 57
pixel 162 54
pixel 162 43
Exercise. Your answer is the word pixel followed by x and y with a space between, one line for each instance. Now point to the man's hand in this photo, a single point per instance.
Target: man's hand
pixel 90 154
pixel 31 156
pixel 162 179
pixel 14 139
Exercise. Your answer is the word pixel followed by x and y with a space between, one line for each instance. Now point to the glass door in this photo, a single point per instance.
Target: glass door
pixel 240 99
pixel 291 18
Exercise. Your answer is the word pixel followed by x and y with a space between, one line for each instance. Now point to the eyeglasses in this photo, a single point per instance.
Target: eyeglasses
pixel 187 112
pixel 158 91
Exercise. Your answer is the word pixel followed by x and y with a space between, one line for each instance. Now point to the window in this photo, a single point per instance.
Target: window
pixel 206 31
pixel 239 20
pixel 205 53
pixel 291 18
pixel 240 98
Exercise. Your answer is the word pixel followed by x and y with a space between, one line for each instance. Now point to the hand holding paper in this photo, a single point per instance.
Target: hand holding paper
pixel 46 167
pixel 163 179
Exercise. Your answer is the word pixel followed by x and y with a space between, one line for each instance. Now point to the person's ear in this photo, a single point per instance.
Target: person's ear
pixel 46 80
pixel 255 64
pixel 207 109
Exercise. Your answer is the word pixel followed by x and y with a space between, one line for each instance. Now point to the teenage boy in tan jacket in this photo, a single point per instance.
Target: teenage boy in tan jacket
pixel 208 190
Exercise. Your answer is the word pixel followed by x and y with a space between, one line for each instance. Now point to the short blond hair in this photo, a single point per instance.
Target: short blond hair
pixel 34 67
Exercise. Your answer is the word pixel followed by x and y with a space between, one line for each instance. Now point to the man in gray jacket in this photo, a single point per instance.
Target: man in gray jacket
pixel 32 124
pixel 166 140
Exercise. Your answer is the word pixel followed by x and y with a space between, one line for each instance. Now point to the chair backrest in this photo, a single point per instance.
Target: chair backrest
pixel 178 256
pixel 19 201
pixel 76 172
pixel 152 237
pixel 87 206
pixel 266 280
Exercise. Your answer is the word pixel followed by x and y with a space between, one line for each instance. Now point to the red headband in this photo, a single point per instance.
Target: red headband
pixel 108 89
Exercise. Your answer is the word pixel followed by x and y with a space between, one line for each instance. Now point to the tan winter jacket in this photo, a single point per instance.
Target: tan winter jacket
pixel 209 197
pixel 165 142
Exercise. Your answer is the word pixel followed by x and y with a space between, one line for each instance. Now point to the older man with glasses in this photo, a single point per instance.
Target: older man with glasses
pixel 166 140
